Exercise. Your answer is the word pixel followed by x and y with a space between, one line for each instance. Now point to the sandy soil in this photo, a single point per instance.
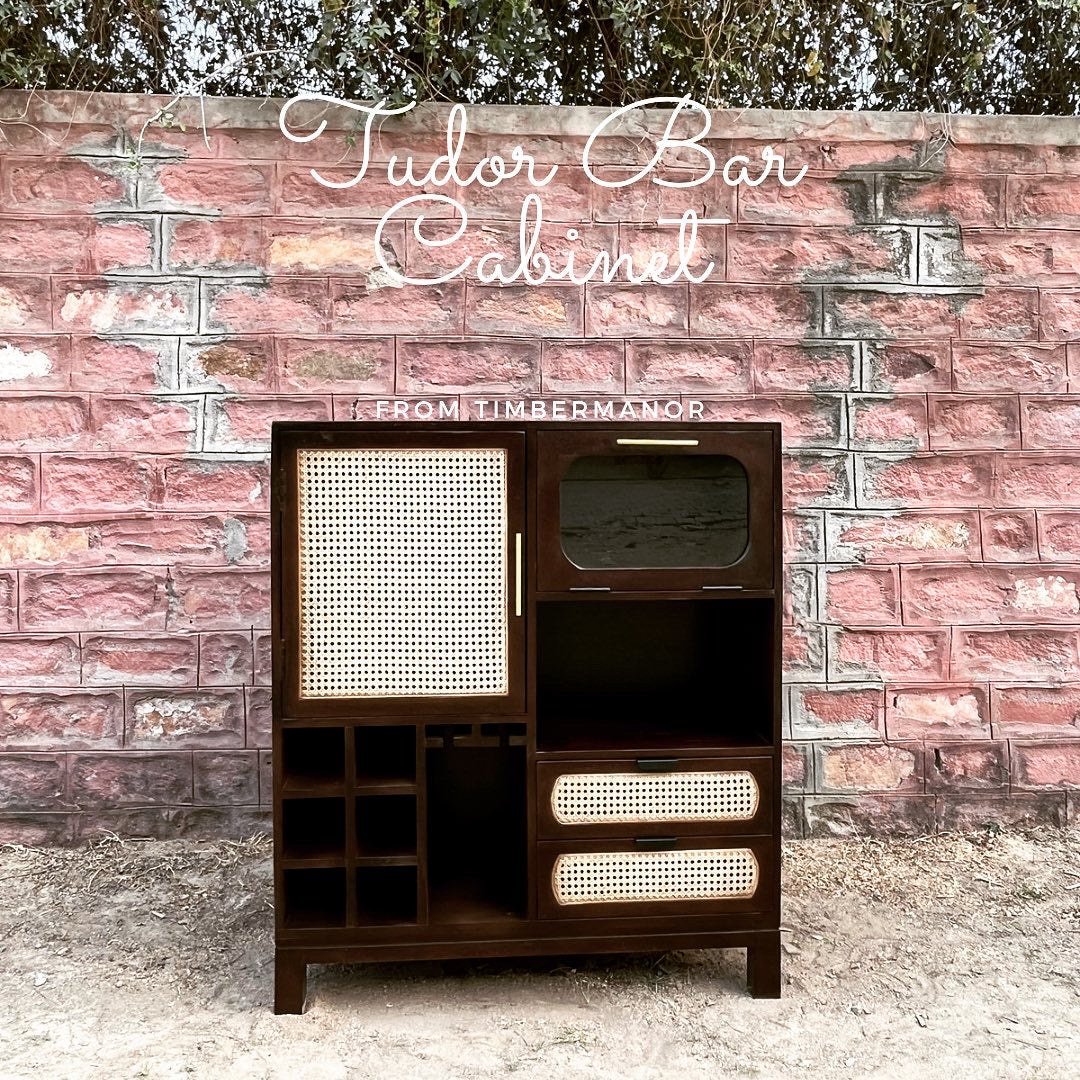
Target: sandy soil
pixel 951 956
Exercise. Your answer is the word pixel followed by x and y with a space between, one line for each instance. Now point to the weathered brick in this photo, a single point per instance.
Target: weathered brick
pixel 1044 201
pixel 9 597
pixel 804 535
pixel 293 305
pixel 800 594
pixel 970 813
pixel 263 658
pixel 243 423
pixel 407 309
pixel 805 366
pixel 235 599
pixel 636 310
pixel 797 765
pixel 60 719
pixel 906 367
pixel 836 712
pixel 341 365
pixel 1051 423
pixel 732 310
pixel 1059 535
pixel 1002 367
pixel 587 366
pixel 32 781
pixel 127 306
pixel 930 481
pixel 942 259
pixel 684 365
pixel 39 661
pixel 153 424
pixel 933 198
pixel 818 199
pixel 860 595
pixel 91 483
pixel 34 363
pixel 645 243
pixel 1009 536
pixel 891 311
pixel 1036 711
pixel 868 767
pixel 918 712
pixel 301 195
pixel 93 600
pixel 974 423
pixel 122 245
pixel 225 659
pixel 259 716
pixel 493 365
pixel 137 365
pixel 803 653
pixel 1015 654
pixel 37 830
pixel 888 423
pixel 346 247
pixel 240 364
pixel 191 718
pixel 25 305
pixel 905 536
pixel 974 595
pixel 45 245
pixel 229 778
pixel 137 779
pixel 231 187
pixel 1046 764
pixel 970 766
pixel 544 311
pixel 216 484
pixel 43 422
pixel 1024 257
pixel 1037 480
pixel 266 778
pixel 18 482
pixel 816 478
pixel 215 244
pixel 771 253
pixel 899 655
pixel 808 420
pixel 645 202
pixel 57 185
pixel 1001 314
pixel 855 817
pixel 141 660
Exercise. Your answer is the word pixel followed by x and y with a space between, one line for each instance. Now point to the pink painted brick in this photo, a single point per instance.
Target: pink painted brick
pixel 243 423
pixel 868 767
pixel 139 659
pixel 1024 256
pixel 136 779
pixel 1036 711
pixel 93 600
pixel 238 364
pixel 410 309
pixel 699 365
pixel 1038 480
pixel 636 310
pixel 818 199
pixel 340 365
pixel 493 365
pixel 302 196
pixel 225 659
pixel 931 198
pixel 263 658
pixel 9 598
pixel 804 535
pixel 231 188
pixel 906 367
pixel 124 306
pixel 891 311
pixel 191 718
pixel 43 422
pixel 153 424
pixel 56 185
pixel 60 719
pixel 1002 367
pixel 1046 764
pixel 299 247
pixel 543 311
pixel 888 423
pixel 906 536
pixel 808 420
pixel 34 363
pixel 39 661
pixel 927 481
pixel 45 245
pixel 860 596
pixel 18 482
pixel 216 484
pixel 816 478
pixel 1009 536
pixel 918 712
pixel 836 712
pixel 587 366
pixel 1051 423
pixel 735 310
pixel 136 365
pixel 25 305
pixel 214 244
pixel 292 305
pixel 644 244
pixel 970 766
pixel 644 201
pixel 974 423
pixel 259 716
pixel 900 655
pixel 1044 201
pixel 803 653
pixel 805 366
pixel 122 245
pixel 1016 655
pixel 204 599
pixel 797 767
pixel 1002 314
pixel 71 483
pixel 568 197
pixel 1059 535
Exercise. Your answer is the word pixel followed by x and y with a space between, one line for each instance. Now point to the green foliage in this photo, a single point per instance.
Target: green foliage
pixel 942 55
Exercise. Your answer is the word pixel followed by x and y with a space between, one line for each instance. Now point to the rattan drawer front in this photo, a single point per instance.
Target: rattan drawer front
pixel 689 796
pixel 629 877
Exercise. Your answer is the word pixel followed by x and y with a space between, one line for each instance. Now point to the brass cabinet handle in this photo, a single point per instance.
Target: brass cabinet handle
pixel 656 442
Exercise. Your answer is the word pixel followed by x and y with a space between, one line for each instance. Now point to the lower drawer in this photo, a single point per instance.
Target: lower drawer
pixel 656 876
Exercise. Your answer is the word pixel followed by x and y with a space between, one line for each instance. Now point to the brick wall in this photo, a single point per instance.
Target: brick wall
pixel 908 312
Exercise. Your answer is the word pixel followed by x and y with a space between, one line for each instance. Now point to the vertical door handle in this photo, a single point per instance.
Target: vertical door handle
pixel 517 574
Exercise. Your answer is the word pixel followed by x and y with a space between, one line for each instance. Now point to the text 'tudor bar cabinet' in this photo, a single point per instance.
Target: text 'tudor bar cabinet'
pixel 526 692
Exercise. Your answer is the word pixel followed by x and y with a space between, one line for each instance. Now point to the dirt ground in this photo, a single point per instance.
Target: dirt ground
pixel 950 956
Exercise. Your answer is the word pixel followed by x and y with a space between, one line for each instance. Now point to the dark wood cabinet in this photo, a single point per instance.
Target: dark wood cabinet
pixel 526 692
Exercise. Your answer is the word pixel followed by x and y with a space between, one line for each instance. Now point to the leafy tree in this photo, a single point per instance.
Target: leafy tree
pixel 942 55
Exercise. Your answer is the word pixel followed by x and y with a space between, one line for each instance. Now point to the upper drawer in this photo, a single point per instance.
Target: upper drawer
pixel 654 796
pixel 656 509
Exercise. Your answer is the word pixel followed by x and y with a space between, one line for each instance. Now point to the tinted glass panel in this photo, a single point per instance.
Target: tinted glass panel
pixel 654 510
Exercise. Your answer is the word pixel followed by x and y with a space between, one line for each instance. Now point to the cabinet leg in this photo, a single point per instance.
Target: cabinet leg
pixel 763 966
pixel 290 982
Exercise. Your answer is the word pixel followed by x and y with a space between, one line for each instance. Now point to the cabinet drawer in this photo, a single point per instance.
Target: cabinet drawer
pixel 654 796
pixel 649 876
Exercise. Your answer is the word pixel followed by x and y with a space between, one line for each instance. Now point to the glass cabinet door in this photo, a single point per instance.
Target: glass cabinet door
pixel 687 510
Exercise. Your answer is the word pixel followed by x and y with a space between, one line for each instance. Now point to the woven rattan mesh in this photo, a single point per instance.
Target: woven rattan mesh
pixel 403 573
pixel 596 798
pixel 621 876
